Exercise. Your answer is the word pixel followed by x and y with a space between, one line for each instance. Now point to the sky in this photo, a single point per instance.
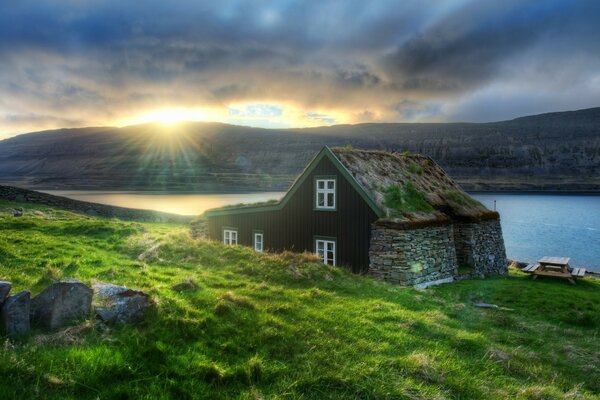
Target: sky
pixel 293 63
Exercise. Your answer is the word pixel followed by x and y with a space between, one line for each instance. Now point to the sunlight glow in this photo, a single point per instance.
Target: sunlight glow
pixel 263 114
pixel 170 116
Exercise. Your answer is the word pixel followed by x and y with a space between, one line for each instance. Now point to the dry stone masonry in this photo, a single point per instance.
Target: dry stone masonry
pixel 421 256
pixel 412 256
pixel 480 245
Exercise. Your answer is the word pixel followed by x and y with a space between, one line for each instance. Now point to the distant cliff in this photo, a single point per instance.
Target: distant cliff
pixel 556 151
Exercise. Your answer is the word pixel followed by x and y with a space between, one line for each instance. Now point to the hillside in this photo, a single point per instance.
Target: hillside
pixel 261 326
pixel 557 151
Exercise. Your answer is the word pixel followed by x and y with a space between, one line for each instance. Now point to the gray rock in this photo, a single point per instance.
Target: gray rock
pixel 128 305
pixel 106 315
pixel 18 212
pixel 4 290
pixel 15 314
pixel 61 303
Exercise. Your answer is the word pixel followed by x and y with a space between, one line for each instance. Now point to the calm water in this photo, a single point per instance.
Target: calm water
pixel 184 204
pixel 534 225
pixel 537 225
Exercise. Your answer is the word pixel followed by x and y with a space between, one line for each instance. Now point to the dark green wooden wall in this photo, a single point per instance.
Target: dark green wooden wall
pixel 295 226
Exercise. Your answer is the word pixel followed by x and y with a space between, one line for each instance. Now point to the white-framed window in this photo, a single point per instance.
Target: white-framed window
pixel 230 236
pixel 325 194
pixel 259 241
pixel 326 250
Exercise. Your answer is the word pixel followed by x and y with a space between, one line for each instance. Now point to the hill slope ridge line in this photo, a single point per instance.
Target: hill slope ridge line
pixel 83 207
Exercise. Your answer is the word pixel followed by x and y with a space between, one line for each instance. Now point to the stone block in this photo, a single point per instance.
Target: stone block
pixel 4 290
pixel 15 314
pixel 120 304
pixel 61 303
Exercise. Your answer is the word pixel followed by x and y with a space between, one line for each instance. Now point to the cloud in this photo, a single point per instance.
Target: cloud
pixel 99 62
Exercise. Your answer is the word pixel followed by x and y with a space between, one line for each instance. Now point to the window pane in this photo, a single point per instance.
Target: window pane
pixel 330 184
pixel 330 200
pixel 321 199
pixel 321 184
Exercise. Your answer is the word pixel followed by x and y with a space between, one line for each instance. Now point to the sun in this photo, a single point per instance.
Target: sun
pixel 171 116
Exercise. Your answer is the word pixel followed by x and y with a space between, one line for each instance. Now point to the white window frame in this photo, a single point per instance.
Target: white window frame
pixel 322 249
pixel 230 236
pixel 258 248
pixel 325 191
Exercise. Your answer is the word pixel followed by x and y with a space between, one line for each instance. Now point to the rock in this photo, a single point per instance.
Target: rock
pixel 106 315
pixel 61 303
pixel 18 212
pixel 128 305
pixel 4 290
pixel 15 314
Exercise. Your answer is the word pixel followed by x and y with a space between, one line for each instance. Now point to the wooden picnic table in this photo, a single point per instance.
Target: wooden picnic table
pixel 555 266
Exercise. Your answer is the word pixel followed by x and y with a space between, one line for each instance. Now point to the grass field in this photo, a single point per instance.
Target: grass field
pixel 258 326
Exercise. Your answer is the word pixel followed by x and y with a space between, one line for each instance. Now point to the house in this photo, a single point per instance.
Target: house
pixel 396 216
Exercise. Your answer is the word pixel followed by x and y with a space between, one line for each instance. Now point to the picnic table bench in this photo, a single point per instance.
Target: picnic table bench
pixel 555 266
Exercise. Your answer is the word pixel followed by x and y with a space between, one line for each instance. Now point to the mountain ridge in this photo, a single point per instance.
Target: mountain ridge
pixel 550 151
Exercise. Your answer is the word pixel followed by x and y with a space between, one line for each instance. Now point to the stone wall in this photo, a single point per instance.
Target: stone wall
pixel 412 256
pixel 481 246
pixel 23 195
pixel 419 256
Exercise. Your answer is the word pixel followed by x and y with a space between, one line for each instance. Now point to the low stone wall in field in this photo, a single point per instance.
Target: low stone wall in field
pixel 23 195
pixel 481 246
pixel 412 256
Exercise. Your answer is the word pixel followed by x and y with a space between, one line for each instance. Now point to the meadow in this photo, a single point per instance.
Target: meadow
pixel 232 323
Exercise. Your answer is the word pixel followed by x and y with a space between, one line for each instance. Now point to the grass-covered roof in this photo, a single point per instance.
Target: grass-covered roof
pixel 400 187
pixel 408 186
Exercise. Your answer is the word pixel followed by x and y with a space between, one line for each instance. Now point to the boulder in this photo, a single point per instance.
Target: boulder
pixel 106 315
pixel 120 304
pixel 4 290
pixel 61 303
pixel 15 314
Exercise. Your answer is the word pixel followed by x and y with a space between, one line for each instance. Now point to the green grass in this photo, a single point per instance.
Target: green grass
pixel 415 168
pixel 462 199
pixel 465 269
pixel 406 199
pixel 257 204
pixel 259 326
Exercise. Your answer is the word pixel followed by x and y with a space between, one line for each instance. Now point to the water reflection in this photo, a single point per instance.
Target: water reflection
pixel 184 204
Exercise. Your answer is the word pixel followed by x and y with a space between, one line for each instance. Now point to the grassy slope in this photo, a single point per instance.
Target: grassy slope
pixel 283 326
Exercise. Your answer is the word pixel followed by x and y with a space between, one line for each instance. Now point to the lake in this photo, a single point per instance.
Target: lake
pixel 534 225
pixel 184 204
pixel 537 225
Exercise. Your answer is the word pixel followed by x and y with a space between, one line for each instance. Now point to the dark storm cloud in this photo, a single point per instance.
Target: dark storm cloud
pixel 470 46
pixel 381 60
